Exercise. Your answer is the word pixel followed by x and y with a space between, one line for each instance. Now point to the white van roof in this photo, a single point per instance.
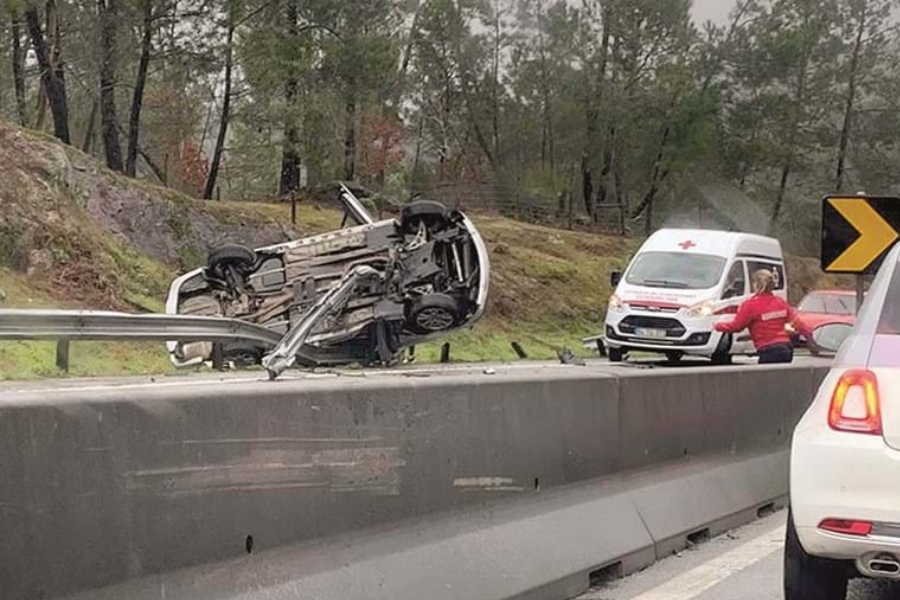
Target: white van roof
pixel 717 243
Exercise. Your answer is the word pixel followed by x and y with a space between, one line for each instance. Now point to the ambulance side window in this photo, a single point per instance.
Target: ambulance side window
pixel 736 283
pixel 776 269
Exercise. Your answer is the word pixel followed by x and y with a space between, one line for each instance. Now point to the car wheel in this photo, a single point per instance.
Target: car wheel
pixel 433 214
pixel 808 577
pixel 433 313
pixel 722 358
pixel 232 256
pixel 243 354
pixel 674 357
pixel 616 355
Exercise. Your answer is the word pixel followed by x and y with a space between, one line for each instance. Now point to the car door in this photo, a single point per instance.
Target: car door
pixel 734 293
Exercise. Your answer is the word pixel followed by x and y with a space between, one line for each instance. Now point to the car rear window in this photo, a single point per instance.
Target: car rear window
pixel 889 323
pixel 813 303
pixel 840 304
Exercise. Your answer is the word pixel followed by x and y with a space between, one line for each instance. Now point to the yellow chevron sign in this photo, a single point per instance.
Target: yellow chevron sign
pixel 857 231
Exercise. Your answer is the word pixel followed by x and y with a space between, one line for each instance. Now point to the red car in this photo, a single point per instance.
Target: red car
pixel 825 307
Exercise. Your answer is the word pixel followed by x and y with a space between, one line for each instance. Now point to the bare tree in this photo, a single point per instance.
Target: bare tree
pixel 290 153
pixel 108 11
pixel 137 99
pixel 52 82
pixel 219 149
pixel 18 66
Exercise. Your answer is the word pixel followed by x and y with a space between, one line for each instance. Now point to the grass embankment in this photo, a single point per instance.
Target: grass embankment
pixel 549 289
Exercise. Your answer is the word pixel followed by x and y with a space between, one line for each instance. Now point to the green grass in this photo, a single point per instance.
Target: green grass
pixel 37 360
pixel 33 360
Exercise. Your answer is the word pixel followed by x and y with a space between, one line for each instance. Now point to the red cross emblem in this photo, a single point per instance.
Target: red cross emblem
pixel 687 245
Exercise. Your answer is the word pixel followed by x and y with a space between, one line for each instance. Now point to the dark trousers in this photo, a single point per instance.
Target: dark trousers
pixel 776 353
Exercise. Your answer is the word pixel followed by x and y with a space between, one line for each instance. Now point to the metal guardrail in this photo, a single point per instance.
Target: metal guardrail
pixel 48 324
pixel 28 324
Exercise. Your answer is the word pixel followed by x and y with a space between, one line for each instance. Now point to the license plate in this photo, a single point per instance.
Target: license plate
pixel 650 333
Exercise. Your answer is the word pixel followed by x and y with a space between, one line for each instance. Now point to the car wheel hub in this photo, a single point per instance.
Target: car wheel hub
pixel 435 319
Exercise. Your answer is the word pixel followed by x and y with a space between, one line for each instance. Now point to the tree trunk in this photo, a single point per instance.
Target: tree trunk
pixel 226 115
pixel 851 99
pixel 495 95
pixel 137 99
pixel 782 192
pixel 18 68
pixel 659 175
pixel 406 57
pixel 547 142
pixel 788 166
pixel 290 153
pixel 53 85
pixel 594 101
pixel 350 137
pixel 89 131
pixel 621 194
pixel 109 123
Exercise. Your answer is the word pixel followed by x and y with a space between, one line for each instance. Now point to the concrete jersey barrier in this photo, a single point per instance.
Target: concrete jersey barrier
pixel 114 485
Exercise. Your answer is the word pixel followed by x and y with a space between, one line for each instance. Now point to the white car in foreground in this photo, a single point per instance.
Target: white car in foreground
pixel 845 459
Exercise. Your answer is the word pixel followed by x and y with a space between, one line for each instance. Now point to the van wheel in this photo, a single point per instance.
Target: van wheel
pixel 616 355
pixel 674 357
pixel 722 358
pixel 722 355
pixel 808 577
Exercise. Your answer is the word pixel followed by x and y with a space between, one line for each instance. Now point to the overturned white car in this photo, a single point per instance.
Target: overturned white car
pixel 356 295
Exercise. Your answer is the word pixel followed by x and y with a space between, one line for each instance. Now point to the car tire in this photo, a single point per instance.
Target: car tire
pixel 241 258
pixel 808 577
pixel 616 355
pixel 433 214
pixel 674 357
pixel 433 313
pixel 243 354
pixel 722 358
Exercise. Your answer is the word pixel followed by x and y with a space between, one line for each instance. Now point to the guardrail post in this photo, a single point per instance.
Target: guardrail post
pixel 62 355
pixel 520 352
pixel 218 357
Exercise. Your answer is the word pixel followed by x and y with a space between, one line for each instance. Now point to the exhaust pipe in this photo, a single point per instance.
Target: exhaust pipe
pixel 879 566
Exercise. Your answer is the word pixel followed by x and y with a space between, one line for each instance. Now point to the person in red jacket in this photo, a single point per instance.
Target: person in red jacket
pixel 766 316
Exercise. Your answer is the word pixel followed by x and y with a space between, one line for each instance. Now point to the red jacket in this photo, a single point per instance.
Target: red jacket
pixel 766 315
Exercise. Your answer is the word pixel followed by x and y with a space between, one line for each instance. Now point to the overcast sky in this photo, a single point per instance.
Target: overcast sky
pixel 715 10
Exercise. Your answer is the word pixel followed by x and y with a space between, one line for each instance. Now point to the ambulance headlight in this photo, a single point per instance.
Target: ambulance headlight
pixel 705 309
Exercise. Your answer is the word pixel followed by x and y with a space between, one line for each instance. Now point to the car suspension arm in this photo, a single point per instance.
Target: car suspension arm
pixel 284 355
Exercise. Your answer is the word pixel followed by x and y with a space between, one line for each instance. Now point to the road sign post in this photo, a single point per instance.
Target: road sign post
pixel 857 232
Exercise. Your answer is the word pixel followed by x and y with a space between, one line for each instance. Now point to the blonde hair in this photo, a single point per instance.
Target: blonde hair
pixel 763 281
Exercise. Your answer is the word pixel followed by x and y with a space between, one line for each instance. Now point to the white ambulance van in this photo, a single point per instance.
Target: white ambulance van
pixel 679 284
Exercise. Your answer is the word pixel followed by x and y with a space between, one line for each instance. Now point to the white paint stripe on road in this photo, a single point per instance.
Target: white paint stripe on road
pixel 696 581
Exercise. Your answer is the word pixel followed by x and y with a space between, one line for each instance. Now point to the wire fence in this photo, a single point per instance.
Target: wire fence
pixel 566 210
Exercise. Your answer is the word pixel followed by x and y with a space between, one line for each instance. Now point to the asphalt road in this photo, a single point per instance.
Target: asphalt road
pixel 742 565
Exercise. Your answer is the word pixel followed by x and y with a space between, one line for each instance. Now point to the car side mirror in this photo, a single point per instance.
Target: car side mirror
pixel 735 290
pixel 829 337
pixel 615 276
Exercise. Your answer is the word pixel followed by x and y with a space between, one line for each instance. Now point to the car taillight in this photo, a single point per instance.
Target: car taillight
pixel 846 527
pixel 855 406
